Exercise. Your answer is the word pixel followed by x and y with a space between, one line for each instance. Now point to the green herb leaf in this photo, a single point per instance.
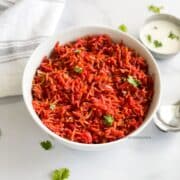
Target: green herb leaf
pixel 155 9
pixel 149 38
pixel 77 51
pixel 173 36
pixel 108 120
pixel 157 43
pixel 47 145
pixel 52 106
pixel 133 81
pixel 61 174
pixel 123 28
pixel 78 69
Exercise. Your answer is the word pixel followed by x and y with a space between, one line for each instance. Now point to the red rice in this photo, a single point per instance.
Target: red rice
pixel 72 104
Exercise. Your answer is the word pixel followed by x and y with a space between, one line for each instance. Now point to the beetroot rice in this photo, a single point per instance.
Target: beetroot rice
pixel 83 82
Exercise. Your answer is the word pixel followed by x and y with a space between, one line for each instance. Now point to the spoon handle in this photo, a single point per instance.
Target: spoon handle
pixel 173 129
pixel 163 127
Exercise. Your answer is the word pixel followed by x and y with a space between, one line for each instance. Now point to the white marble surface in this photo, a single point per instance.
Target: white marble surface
pixel 156 157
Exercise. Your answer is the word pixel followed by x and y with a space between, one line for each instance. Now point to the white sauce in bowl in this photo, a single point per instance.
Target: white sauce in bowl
pixel 159 30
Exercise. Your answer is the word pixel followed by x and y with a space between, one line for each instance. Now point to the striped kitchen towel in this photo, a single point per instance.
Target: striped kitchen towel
pixel 23 25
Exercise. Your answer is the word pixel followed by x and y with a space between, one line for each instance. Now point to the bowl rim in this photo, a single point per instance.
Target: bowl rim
pixel 83 146
pixel 156 17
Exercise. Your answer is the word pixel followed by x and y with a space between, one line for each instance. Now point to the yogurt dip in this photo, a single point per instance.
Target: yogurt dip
pixel 161 36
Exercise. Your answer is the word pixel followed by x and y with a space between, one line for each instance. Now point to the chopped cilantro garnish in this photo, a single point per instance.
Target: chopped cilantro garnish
pixel 61 174
pixel 78 69
pixel 173 36
pixel 155 9
pixel 133 81
pixel 149 38
pixel 157 43
pixel 123 28
pixel 77 51
pixel 47 145
pixel 52 106
pixel 108 120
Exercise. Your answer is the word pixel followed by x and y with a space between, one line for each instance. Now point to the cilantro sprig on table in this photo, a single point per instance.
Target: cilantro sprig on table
pixel 123 28
pixel 155 9
pixel 61 174
pixel 47 145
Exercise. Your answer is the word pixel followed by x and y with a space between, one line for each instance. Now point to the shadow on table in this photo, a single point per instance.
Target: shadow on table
pixel 10 99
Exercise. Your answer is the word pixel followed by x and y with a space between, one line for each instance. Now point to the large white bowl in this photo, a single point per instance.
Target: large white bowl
pixel 71 35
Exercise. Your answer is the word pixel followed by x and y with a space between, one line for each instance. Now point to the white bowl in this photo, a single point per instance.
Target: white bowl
pixel 71 35
pixel 164 17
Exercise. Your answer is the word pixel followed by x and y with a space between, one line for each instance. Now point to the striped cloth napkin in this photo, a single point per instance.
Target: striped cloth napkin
pixel 23 25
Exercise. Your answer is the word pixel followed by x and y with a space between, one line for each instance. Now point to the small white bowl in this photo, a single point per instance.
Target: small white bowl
pixel 164 17
pixel 71 35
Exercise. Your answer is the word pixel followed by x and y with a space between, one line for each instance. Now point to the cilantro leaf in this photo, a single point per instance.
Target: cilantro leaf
pixel 77 51
pixel 47 145
pixel 78 69
pixel 133 81
pixel 123 28
pixel 173 36
pixel 61 174
pixel 157 43
pixel 149 38
pixel 155 9
pixel 108 120
pixel 52 106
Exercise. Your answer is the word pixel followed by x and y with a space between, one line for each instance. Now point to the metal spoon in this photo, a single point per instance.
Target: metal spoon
pixel 167 118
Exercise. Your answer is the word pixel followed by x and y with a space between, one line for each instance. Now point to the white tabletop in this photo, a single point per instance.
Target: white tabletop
pixel 156 156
